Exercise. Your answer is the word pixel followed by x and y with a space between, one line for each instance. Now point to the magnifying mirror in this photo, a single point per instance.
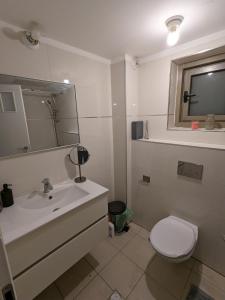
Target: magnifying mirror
pixel 79 155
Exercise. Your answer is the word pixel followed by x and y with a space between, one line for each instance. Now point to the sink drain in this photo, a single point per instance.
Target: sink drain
pixel 55 209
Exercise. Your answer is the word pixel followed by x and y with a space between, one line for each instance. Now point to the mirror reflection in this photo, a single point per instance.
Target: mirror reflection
pixel 79 155
pixel 36 115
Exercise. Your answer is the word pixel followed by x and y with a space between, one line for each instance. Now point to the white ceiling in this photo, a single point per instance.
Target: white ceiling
pixel 110 28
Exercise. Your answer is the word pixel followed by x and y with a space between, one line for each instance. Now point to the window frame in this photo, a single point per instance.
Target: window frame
pixel 198 66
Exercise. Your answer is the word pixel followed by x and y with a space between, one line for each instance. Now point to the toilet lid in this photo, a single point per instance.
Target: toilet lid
pixel 172 238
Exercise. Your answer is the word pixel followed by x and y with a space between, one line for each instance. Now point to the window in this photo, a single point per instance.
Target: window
pixel 7 103
pixel 199 90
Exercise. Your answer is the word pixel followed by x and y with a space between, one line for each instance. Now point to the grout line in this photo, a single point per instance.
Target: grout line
pixel 96 117
pixel 106 282
pixel 98 272
pixel 135 285
pixel 154 115
pixel 119 251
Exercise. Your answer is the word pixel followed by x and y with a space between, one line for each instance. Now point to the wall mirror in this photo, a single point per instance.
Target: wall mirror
pixel 36 115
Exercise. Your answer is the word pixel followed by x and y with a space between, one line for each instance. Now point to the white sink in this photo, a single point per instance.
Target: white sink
pixel 56 199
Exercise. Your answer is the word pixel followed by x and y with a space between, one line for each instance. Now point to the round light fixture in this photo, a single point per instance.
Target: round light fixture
pixel 173 26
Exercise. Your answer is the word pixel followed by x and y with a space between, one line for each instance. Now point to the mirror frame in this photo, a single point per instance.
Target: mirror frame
pixel 75 147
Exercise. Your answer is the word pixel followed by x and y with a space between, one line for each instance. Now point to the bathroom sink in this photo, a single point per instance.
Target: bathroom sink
pixel 36 209
pixel 56 199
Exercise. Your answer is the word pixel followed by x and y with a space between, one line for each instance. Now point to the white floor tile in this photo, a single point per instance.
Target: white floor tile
pixel 134 227
pixel 97 289
pixel 121 274
pixel 101 255
pixel 119 241
pixel 144 233
pixel 148 289
pixel 139 251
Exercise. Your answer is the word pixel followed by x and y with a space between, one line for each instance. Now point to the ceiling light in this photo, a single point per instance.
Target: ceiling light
pixel 66 81
pixel 173 26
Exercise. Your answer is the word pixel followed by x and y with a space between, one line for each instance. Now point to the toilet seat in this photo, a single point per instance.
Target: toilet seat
pixel 173 238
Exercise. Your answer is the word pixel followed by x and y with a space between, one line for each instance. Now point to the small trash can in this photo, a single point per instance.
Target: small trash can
pixel 119 214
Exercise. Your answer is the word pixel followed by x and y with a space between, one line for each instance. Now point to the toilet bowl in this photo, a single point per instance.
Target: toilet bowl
pixel 174 239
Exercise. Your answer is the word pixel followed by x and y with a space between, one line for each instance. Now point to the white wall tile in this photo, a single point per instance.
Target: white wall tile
pixel 96 136
pixel 154 87
pixel 92 80
pixel 27 172
pixel 118 81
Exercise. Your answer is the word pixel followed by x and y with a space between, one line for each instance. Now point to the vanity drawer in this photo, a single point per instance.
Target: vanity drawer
pixel 34 246
pixel 33 281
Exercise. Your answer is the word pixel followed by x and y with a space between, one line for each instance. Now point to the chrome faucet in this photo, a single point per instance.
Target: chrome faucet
pixel 47 185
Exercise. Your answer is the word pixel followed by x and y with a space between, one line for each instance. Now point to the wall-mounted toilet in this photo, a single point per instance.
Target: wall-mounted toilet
pixel 174 238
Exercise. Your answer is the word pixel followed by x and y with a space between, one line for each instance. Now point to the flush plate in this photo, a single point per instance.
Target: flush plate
pixel 190 170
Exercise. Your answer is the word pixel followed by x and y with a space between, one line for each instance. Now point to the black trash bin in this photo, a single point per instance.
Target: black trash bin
pixel 116 209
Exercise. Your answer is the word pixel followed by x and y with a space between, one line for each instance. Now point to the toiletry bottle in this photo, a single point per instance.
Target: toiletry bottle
pixel 210 122
pixel 146 133
pixel 7 196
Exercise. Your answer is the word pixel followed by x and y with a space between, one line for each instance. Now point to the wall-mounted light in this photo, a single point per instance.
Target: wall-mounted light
pixel 31 39
pixel 173 26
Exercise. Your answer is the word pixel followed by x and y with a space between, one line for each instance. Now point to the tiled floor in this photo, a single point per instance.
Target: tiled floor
pixel 128 264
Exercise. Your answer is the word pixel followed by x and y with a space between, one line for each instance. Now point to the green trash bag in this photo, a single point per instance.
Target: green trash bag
pixel 120 221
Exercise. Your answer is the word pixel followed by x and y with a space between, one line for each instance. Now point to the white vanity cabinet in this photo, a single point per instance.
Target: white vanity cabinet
pixel 39 257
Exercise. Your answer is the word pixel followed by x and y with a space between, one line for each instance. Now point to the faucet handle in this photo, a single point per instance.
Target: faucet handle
pixel 46 180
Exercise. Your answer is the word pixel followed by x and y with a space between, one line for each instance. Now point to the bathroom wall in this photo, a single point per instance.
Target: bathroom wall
pixel 202 203
pixel 93 87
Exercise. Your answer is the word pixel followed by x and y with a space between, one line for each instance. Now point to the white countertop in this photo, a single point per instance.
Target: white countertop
pixel 16 221
pixel 182 143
